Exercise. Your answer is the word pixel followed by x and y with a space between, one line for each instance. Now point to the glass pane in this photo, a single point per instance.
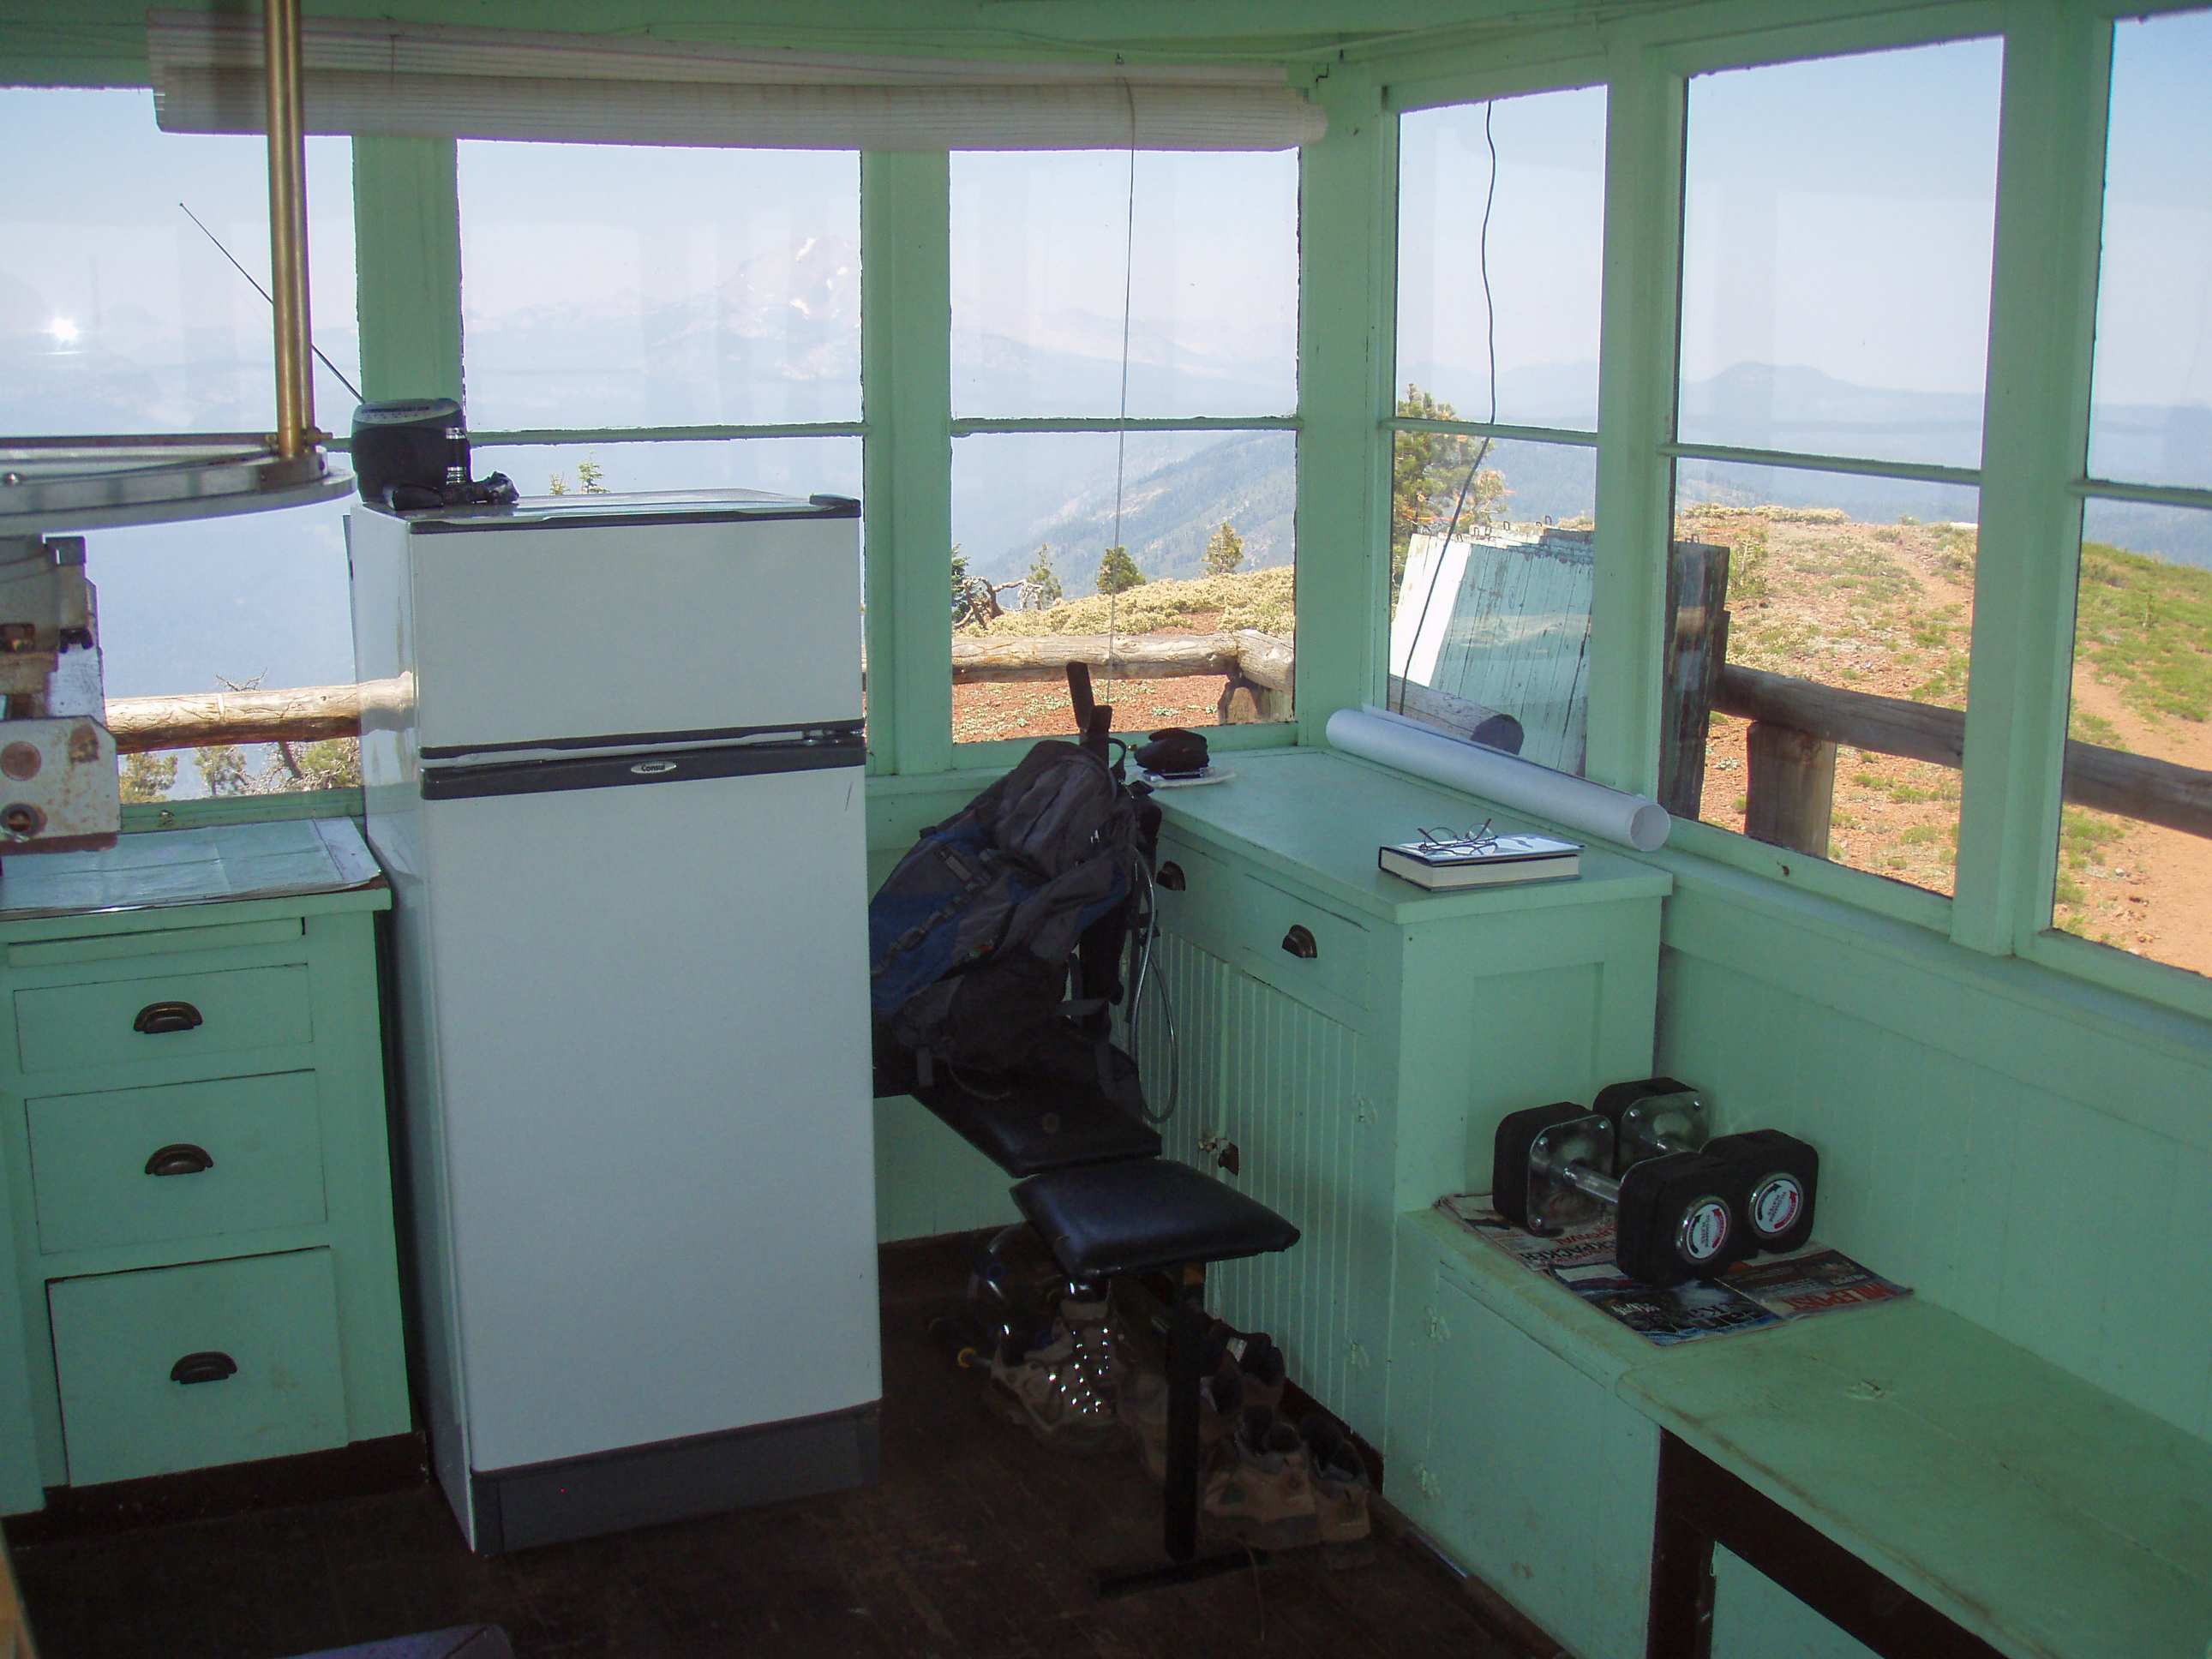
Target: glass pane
pixel 1043 246
pixel 1831 583
pixel 1837 219
pixel 1206 521
pixel 2142 685
pixel 621 285
pixel 1490 572
pixel 783 466
pixel 260 600
pixel 1521 266
pixel 116 313
pixel 2151 419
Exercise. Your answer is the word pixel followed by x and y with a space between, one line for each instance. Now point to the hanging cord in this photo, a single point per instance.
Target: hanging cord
pixel 1122 431
pixel 1490 314
pixel 1147 928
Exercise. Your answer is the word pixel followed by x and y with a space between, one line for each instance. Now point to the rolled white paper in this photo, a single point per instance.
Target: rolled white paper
pixel 1379 735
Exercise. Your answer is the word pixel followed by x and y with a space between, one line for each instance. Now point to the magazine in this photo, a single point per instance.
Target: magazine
pixel 1750 1295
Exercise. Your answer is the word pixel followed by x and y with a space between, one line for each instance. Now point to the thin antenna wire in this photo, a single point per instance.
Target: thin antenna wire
pixel 264 293
pixel 1122 431
pixel 1490 313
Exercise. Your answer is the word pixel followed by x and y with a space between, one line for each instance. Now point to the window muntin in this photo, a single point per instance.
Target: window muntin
pixel 1544 255
pixel 1857 584
pixel 2151 412
pixel 116 314
pixel 1038 274
pixel 1838 216
pixel 615 285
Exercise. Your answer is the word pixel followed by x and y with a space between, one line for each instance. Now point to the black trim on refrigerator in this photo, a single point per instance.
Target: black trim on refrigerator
pixel 717 735
pixel 536 777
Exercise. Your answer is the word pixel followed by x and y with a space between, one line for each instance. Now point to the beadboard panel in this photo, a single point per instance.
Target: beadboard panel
pixel 1291 1104
pixel 2075 1232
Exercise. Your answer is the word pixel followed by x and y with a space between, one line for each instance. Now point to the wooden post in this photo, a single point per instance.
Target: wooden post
pixel 1792 788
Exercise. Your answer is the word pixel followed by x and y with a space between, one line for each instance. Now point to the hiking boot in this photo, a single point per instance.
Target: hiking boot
pixel 1258 1491
pixel 1064 1392
pixel 1144 1412
pixel 1339 1481
pixel 1254 1355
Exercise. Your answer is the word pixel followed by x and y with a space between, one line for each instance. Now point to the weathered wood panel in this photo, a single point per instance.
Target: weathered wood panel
pixel 1504 624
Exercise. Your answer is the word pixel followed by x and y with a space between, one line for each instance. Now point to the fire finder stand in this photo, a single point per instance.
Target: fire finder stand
pixel 59 787
pixel 1687 1205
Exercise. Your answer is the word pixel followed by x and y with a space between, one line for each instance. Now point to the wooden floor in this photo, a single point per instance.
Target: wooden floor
pixel 976 1542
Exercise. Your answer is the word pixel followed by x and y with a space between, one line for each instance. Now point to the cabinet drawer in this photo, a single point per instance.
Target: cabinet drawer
pixel 92 1158
pixel 1203 908
pixel 1344 962
pixel 263 1333
pixel 175 1017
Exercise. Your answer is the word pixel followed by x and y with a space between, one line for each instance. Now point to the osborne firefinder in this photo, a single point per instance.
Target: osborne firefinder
pixel 1777 1175
pixel 1551 1168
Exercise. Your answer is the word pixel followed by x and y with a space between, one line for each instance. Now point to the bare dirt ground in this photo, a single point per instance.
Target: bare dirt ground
pixel 1889 609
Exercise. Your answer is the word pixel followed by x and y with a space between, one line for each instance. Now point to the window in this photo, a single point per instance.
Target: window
pixel 625 286
pixel 1837 230
pixel 119 314
pixel 2130 859
pixel 1500 253
pixel 1124 371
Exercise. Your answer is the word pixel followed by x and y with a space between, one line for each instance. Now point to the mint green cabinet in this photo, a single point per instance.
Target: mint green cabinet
pixel 193 1132
pixel 1353 1070
pixel 176 1367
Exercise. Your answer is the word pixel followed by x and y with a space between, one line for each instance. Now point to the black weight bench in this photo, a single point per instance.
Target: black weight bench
pixel 1090 1182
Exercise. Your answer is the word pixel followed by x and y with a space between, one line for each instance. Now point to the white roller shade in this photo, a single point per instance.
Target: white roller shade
pixel 424 81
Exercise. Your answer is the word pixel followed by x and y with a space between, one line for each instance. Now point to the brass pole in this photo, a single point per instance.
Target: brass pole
pixel 287 227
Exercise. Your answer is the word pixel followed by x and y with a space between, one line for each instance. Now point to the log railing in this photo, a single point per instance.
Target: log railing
pixel 1795 726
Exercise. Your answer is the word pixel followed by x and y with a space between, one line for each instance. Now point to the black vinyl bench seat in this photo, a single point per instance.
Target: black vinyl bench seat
pixel 1093 1186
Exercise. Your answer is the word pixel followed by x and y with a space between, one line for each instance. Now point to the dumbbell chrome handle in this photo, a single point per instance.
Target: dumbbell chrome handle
pixel 1579 1176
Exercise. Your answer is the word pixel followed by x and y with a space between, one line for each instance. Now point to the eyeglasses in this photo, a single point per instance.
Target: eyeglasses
pixel 1477 839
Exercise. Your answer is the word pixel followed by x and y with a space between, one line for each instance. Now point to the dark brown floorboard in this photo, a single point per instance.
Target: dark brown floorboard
pixel 978 1541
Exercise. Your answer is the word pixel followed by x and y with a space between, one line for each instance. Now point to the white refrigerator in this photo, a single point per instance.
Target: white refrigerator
pixel 612 754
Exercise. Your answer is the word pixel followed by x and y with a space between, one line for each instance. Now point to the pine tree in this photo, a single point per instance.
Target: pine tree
pixel 1118 572
pixel 1224 552
pixel 1041 587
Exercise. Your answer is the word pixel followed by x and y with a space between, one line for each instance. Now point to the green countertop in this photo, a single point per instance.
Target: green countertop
pixel 2047 1516
pixel 1317 818
pixel 169 867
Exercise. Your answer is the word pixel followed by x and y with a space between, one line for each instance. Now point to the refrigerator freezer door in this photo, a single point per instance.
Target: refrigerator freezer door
pixel 654 1108
pixel 612 631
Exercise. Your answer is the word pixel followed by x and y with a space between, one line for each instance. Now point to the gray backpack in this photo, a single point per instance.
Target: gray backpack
pixel 971 937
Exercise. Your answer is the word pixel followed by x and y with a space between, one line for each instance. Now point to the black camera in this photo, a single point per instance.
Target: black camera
pixel 412 454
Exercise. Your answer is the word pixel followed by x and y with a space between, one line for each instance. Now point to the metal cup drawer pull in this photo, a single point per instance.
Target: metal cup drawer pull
pixel 1170 876
pixel 179 1159
pixel 1300 942
pixel 159 1019
pixel 210 1367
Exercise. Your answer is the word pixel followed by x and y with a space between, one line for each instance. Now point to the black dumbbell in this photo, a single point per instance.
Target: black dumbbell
pixel 1551 1168
pixel 1778 1176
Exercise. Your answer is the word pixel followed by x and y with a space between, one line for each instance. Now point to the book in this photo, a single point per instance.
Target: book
pixel 1444 864
pixel 1746 1298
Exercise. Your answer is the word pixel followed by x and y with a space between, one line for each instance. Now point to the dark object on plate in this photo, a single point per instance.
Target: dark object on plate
pixel 1174 753
pixel 412 454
